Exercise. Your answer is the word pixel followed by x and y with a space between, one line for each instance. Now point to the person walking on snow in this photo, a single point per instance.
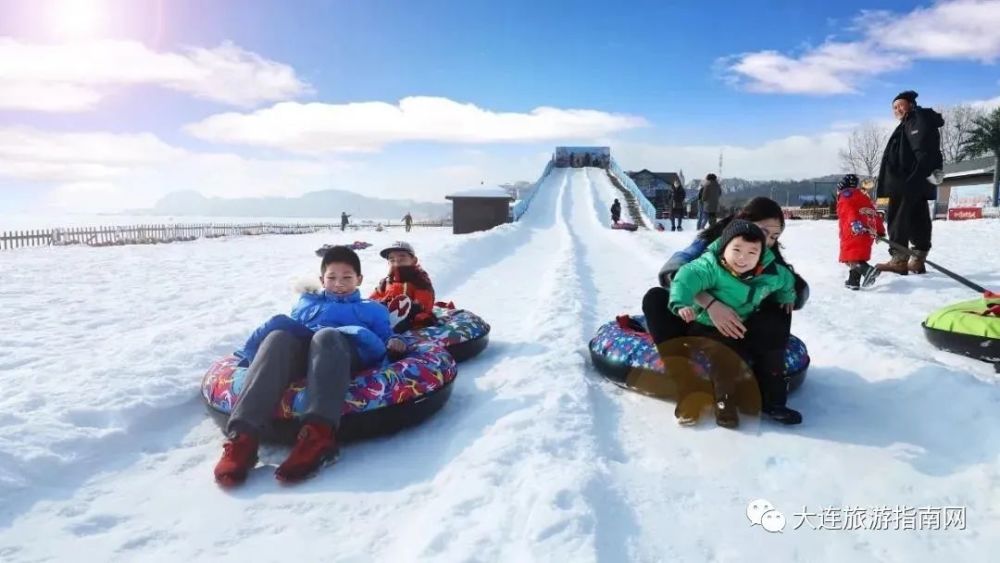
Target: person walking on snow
pixel 408 221
pixel 858 221
pixel 912 155
pixel 616 211
pixel 343 220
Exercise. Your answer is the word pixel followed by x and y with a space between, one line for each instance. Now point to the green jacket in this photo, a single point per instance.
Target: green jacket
pixel 706 273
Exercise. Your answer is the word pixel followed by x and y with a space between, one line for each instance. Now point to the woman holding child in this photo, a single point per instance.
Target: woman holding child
pixel 732 287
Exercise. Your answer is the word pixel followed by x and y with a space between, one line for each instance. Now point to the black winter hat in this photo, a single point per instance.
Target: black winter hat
pixel 742 229
pixel 848 181
pixel 908 95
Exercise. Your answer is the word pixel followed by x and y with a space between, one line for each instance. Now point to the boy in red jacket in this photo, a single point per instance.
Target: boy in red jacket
pixel 858 219
pixel 406 291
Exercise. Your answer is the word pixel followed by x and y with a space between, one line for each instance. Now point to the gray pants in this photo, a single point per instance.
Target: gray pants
pixel 327 360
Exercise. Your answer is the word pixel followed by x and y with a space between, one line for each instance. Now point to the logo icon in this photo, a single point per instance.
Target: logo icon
pixel 762 512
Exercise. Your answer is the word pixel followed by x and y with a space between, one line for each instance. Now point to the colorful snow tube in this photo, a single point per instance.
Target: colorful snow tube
pixel 462 333
pixel 625 226
pixel 623 345
pixel 356 245
pixel 970 328
pixel 379 400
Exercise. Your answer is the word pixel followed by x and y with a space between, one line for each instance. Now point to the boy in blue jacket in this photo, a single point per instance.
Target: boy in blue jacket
pixel 329 335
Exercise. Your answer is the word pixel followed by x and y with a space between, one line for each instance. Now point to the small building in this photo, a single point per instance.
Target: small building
pixel 968 186
pixel 656 187
pixel 479 209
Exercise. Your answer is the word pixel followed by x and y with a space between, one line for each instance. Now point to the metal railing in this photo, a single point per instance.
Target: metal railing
pixel 647 208
pixel 521 205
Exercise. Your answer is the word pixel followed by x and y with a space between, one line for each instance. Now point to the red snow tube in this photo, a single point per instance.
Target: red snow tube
pixel 625 226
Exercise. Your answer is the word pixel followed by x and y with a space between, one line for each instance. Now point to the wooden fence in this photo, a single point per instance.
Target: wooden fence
pixel 159 234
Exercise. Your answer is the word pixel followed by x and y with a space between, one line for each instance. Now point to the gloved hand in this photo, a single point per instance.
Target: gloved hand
pixel 857 227
pixel 399 310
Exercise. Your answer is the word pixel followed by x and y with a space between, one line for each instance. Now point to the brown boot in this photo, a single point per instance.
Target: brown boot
pixel 896 265
pixel 916 264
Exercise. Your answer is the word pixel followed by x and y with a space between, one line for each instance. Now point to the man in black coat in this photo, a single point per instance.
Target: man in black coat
pixel 616 211
pixel 677 211
pixel 912 155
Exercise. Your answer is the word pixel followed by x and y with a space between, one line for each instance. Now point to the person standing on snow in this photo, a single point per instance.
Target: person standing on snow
pixel 710 193
pixel 343 220
pixel 912 154
pixel 408 221
pixel 677 211
pixel 616 211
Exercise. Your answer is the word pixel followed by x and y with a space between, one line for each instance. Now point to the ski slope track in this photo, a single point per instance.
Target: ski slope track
pixel 106 451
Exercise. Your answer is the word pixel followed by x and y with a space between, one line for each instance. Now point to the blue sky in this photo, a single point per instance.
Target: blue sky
pixel 775 85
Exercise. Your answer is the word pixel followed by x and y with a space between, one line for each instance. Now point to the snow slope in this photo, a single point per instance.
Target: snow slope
pixel 106 452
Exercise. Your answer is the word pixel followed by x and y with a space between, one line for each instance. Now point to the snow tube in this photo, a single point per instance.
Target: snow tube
pixel 356 245
pixel 625 226
pixel 623 345
pixel 462 333
pixel 380 400
pixel 970 328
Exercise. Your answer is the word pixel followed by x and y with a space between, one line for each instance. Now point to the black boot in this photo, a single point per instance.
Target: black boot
pixel 774 388
pixel 783 414
pixel 726 413
pixel 868 274
pixel 775 394
pixel 853 280
pixel 726 410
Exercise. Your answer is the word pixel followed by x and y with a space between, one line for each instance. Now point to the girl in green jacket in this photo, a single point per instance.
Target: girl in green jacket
pixel 739 271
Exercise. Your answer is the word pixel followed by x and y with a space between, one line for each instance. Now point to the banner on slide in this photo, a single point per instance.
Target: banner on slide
pixel 978 195
pixel 577 157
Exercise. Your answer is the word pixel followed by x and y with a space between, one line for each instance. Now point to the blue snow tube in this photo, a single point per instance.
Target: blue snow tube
pixel 623 347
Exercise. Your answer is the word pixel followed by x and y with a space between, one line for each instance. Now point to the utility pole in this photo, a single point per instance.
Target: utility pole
pixel 720 165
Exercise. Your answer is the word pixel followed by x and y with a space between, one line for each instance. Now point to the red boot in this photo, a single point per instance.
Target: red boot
pixel 239 456
pixel 316 446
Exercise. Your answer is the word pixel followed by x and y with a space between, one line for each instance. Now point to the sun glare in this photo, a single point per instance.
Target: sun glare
pixel 77 19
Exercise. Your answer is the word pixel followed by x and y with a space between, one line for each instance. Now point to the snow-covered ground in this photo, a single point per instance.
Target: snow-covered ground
pixel 106 452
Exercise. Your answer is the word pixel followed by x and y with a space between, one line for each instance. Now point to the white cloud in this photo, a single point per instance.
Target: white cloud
pixel 108 171
pixel 29 154
pixel 68 77
pixel 832 68
pixel 960 29
pixel 963 29
pixel 989 104
pixel 368 126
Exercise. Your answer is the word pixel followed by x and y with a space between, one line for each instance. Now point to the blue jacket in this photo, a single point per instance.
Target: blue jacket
pixel 698 247
pixel 365 322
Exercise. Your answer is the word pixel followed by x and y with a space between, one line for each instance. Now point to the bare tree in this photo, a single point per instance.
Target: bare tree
pixel 863 154
pixel 959 121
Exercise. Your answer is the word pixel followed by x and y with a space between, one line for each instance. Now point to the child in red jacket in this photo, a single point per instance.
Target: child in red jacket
pixel 407 291
pixel 859 220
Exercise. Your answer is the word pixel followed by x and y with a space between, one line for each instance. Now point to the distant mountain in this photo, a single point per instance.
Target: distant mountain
pixel 314 204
